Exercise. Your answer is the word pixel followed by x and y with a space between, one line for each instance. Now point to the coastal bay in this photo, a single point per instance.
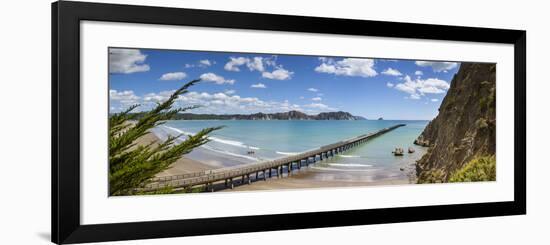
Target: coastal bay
pixel 369 164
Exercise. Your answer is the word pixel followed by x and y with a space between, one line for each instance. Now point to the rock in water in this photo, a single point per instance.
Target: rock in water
pixel 465 126
pixel 421 141
pixel 398 151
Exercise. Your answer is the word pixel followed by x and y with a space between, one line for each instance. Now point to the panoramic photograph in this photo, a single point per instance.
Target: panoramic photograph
pixel 185 121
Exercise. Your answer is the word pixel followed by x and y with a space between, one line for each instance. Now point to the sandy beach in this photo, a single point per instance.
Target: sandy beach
pixel 181 166
pixel 313 178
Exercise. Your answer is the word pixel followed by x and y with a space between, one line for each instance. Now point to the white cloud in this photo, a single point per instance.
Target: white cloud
pixel 320 106
pixel 419 87
pixel 205 62
pixel 158 97
pixel 217 103
pixel 432 86
pixel 173 76
pixel 392 72
pixel 320 94
pixel 222 103
pixel 271 61
pixel 390 85
pixel 201 63
pixel 415 96
pixel 259 85
pixel 324 68
pixel 347 67
pixel 211 77
pixel 234 63
pixel 127 95
pixel 122 100
pixel 278 74
pixel 418 73
pixel 256 64
pixel 260 64
pixel 437 66
pixel 230 91
pixel 313 90
pixel 434 100
pixel 127 61
pixel 403 87
pixel 317 99
pixel 302 97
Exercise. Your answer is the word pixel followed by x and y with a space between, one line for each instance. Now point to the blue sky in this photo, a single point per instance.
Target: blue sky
pixel 248 83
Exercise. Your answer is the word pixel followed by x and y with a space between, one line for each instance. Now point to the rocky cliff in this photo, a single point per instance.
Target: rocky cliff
pixel 465 127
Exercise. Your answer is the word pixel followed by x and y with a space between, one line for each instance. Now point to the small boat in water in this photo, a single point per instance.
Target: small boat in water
pixel 411 150
pixel 398 151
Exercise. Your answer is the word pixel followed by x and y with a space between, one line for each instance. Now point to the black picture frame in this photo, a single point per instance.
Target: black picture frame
pixel 66 18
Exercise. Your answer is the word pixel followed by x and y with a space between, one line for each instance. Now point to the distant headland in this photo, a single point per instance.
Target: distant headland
pixel 290 115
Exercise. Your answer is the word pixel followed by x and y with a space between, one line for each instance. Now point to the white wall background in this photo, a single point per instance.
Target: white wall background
pixel 25 120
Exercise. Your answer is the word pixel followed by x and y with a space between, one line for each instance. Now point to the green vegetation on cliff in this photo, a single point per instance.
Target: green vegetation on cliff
pixel 478 169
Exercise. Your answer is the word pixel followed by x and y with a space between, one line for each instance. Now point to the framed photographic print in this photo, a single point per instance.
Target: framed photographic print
pixel 176 122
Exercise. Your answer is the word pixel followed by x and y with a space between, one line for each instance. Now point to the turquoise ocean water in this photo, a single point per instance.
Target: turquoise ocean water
pixel 279 138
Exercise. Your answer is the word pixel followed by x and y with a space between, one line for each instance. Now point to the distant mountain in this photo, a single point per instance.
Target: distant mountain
pixel 290 115
pixel 340 115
